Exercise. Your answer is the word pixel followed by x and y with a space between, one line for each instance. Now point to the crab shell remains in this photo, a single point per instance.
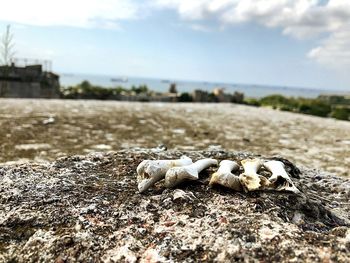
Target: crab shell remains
pixel 280 180
pixel 176 175
pixel 250 180
pixel 151 171
pixel 225 177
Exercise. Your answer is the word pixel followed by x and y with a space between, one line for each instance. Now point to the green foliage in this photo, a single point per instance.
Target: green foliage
pixel 278 101
pixel 140 89
pixel 321 106
pixel 252 102
pixel 307 106
pixel 318 107
pixel 341 113
pixel 315 107
pixel 237 97
pixel 286 108
pixel 86 90
pixel 185 97
pixel 335 99
pixel 212 97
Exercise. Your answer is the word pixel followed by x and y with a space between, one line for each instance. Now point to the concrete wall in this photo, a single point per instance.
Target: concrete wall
pixel 28 82
pixel 19 89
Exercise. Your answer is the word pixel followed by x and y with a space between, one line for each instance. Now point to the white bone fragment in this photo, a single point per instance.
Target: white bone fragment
pixel 250 180
pixel 177 175
pixel 280 179
pixel 182 195
pixel 224 177
pixel 151 171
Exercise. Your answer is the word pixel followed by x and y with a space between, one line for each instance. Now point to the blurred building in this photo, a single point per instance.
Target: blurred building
pixel 172 88
pixel 237 97
pixel 200 96
pixel 221 96
pixel 28 81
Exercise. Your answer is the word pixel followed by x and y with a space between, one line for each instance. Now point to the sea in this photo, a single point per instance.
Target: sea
pixel 162 85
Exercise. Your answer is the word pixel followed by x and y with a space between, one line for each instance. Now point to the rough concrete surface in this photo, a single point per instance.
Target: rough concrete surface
pixel 43 130
pixel 87 209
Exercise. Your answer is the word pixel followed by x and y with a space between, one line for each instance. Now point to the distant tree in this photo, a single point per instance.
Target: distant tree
pixel 335 99
pixel 185 97
pixel 212 97
pixel 139 89
pixel 143 89
pixel 253 102
pixel 172 88
pixel 341 113
pixel 315 107
pixel 237 97
pixel 85 85
pixel 7 47
pixel 274 100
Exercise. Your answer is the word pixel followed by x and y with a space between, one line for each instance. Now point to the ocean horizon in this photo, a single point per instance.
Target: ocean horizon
pixel 162 85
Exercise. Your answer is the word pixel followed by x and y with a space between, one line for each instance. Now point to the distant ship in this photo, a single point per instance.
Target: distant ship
pixel 165 81
pixel 121 79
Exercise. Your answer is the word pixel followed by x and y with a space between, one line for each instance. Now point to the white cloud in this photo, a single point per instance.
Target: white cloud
pixel 76 13
pixel 200 28
pixel 195 9
pixel 335 50
pixel 297 18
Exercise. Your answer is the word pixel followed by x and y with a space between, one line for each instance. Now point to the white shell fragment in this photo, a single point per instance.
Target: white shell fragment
pixel 280 180
pixel 151 171
pixel 250 180
pixel 224 177
pixel 176 175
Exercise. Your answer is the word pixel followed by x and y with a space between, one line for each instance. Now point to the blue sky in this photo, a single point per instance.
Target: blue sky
pixel 302 43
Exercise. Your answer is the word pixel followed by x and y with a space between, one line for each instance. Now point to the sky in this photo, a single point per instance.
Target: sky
pixel 301 43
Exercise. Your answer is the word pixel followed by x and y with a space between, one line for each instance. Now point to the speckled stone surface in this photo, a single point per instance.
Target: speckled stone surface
pixel 87 209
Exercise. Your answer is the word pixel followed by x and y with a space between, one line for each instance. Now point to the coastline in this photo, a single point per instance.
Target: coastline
pixel 159 85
